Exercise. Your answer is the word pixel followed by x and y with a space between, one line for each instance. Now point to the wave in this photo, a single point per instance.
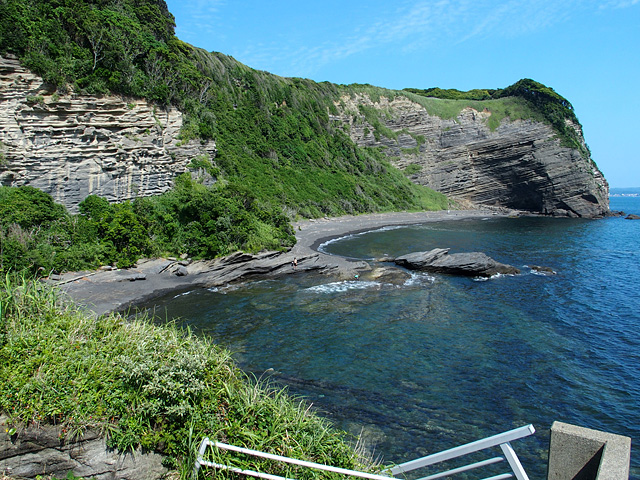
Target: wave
pixel 419 279
pixel 323 245
pixel 344 286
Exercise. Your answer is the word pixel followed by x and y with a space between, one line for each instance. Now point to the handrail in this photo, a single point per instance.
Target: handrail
pixel 501 440
pixel 279 458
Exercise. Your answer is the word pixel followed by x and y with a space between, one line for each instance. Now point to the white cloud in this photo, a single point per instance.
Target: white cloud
pixel 408 27
pixel 619 4
pixel 199 16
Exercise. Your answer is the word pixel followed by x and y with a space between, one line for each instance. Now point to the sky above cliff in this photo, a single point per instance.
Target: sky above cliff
pixel 586 50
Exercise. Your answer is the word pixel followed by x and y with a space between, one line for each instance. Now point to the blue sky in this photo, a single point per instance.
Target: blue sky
pixel 586 50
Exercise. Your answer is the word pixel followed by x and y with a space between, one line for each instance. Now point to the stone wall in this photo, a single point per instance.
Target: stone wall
pixel 72 146
pixel 519 165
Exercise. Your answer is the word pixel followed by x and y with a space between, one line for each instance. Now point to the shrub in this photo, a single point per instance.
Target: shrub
pixel 28 207
pixel 143 385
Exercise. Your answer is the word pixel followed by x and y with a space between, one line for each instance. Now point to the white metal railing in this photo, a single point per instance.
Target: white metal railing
pixel 503 440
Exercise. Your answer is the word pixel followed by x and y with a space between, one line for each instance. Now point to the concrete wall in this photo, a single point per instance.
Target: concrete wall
pixel 577 453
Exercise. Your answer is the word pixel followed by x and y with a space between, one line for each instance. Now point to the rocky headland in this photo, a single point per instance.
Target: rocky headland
pixel 521 164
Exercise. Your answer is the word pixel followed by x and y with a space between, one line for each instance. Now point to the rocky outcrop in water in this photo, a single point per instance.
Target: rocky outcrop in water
pixel 520 165
pixel 71 146
pixel 472 264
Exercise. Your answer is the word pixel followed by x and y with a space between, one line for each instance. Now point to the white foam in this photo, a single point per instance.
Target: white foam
pixel 183 293
pixel 224 289
pixel 418 279
pixel 492 277
pixel 322 246
pixel 344 286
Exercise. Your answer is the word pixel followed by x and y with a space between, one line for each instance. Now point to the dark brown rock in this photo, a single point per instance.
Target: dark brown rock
pixel 543 270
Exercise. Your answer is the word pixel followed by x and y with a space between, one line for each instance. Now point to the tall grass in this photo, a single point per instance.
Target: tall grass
pixel 140 384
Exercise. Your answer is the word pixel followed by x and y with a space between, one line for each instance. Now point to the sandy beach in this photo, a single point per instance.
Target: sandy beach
pixel 105 291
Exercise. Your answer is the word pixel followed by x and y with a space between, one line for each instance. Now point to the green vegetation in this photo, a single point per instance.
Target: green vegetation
pixel 412 168
pixel 525 99
pixel 158 387
pixel 40 236
pixel 273 134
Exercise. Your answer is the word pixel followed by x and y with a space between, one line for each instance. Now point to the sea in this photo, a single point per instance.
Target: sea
pixel 438 361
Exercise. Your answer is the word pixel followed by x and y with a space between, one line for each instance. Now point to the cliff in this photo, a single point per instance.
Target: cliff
pixel 71 146
pixel 119 148
pixel 521 164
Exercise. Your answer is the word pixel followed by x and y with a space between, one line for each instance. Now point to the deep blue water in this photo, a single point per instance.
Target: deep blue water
pixel 440 360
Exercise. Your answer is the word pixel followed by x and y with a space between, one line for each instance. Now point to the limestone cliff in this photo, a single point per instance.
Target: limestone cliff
pixel 521 164
pixel 71 146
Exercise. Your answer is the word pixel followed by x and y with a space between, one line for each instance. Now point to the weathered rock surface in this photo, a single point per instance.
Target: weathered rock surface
pixel 438 260
pixel 71 146
pixel 539 269
pixel 39 451
pixel 519 165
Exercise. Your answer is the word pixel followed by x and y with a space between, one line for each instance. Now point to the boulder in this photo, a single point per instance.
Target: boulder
pixel 632 216
pixel 420 260
pixel 438 260
pixel 542 270
pixel 389 275
pixel 181 271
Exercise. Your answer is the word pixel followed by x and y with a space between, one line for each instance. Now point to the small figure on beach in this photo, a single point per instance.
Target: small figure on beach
pixel 294 264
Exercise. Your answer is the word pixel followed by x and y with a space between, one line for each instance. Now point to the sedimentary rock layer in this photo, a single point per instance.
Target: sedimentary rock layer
pixel 521 164
pixel 72 146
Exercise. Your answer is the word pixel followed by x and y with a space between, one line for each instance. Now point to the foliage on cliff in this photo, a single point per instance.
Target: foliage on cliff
pixel 144 385
pixel 273 134
pixel 40 236
pixel 554 109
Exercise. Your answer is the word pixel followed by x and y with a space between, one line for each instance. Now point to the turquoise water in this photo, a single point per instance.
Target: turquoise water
pixel 440 360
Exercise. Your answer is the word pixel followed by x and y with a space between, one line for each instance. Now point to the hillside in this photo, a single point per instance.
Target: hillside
pixel 276 136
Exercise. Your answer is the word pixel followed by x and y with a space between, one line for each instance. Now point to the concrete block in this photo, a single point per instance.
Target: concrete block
pixel 578 453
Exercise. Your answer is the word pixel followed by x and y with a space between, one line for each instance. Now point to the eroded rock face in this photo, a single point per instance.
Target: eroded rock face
pixel 38 452
pixel 71 146
pixel 520 165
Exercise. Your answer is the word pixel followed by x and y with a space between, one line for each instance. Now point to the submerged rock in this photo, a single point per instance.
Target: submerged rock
pixel 438 260
pixel 542 270
pixel 632 216
pixel 390 275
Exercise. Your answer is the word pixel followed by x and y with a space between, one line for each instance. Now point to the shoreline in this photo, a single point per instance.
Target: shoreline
pixel 103 292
